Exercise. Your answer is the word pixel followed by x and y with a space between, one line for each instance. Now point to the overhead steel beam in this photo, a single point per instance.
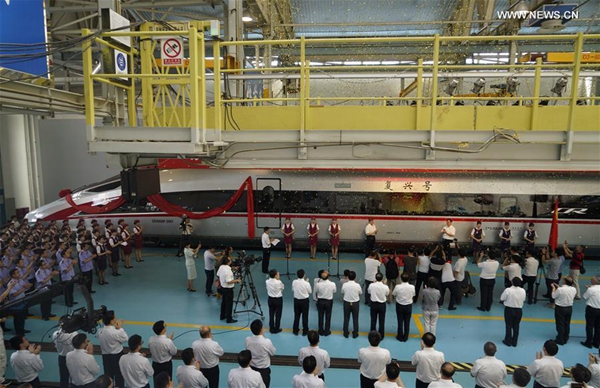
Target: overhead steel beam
pixel 30 97
pixel 137 5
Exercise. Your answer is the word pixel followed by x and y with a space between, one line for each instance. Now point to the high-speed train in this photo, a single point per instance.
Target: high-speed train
pixel 408 206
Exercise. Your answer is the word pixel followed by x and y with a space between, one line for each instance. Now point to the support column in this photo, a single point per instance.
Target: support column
pixel 19 155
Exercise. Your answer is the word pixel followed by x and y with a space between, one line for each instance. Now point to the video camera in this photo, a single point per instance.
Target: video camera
pixel 81 319
pixel 244 260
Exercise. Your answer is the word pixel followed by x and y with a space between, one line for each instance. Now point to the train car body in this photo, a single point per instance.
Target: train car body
pixel 408 206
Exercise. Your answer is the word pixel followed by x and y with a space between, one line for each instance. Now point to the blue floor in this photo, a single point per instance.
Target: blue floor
pixel 156 289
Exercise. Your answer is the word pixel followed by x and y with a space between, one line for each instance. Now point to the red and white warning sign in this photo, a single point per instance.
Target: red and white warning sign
pixel 171 51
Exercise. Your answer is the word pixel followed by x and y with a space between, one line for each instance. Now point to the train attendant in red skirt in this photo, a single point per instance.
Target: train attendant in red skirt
pixel 102 257
pixel 138 240
pixel 334 240
pixel 126 245
pixel 288 230
pixel 313 237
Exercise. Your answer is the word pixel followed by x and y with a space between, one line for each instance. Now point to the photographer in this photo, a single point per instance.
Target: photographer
pixel 227 281
pixel 186 228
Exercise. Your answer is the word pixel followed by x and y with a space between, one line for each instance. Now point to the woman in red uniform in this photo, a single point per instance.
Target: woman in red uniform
pixel 288 230
pixel 126 245
pixel 138 240
pixel 313 237
pixel 334 232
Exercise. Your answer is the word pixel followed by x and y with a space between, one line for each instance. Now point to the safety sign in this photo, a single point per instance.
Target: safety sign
pixel 171 51
pixel 120 62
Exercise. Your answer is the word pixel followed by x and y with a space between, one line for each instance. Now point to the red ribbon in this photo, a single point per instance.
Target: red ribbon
pixel 90 209
pixel 177 211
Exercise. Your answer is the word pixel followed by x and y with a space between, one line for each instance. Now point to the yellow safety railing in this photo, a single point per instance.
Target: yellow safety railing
pixel 177 96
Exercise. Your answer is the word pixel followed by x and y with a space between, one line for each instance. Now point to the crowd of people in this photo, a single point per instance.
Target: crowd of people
pixel 34 255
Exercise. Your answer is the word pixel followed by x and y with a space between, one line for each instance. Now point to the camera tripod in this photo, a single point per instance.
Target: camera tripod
pixel 243 296
pixel 337 275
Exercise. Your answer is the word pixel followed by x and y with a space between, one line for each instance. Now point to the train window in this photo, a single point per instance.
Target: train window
pixel 351 203
pixel 291 201
pixel 265 199
pixel 315 202
pixel 508 206
pixel 463 204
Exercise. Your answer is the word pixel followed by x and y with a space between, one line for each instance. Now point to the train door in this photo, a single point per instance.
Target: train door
pixel 267 203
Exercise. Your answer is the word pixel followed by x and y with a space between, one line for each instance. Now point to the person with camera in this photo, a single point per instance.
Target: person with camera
pixel 275 289
pixel 576 265
pixel 302 290
pixel 546 369
pixel 227 281
pixel 563 298
pixel 210 259
pixel 372 264
pixel 512 268
pixel 530 271
pixel 553 262
pixel 186 229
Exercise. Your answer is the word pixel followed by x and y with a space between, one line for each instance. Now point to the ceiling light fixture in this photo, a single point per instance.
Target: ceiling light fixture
pixel 246 16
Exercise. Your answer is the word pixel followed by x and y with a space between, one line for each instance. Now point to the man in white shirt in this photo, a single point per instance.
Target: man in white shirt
pixel 275 292
pixel 520 379
pixel 244 376
pixel 321 355
pixel 379 294
pixel 266 242
pixel 423 263
pixel 207 352
pixel 459 274
pixel 135 367
pixel 447 371
pixel 209 269
pixel 594 367
pixel 428 362
pixel 488 370
pixel 563 308
pixel 262 349
pixel 111 338
pixel 592 314
pixel 82 366
pixel 513 298
pixel 26 361
pixel 308 378
pixel 162 349
pixel 370 233
pixel 372 263
pixel 404 294
pixel 546 369
pixel 324 291
pixel 302 290
pixel 448 235
pixel 487 279
pixel 391 378
pixel 189 374
pixel 351 295
pixel 530 274
pixel 64 344
pixel 448 283
pixel 373 361
pixel 227 281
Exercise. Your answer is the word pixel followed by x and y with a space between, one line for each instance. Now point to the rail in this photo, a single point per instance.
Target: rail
pixel 187 96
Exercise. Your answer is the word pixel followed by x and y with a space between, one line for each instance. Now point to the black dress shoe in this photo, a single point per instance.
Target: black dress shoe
pixel 451 308
pixel 399 338
pixel 589 346
pixel 295 332
pixel 304 333
pixel 354 335
pixel 506 343
pixel 327 333
pixel 231 320
pixel 276 331
pixel 346 335
pixel 480 309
